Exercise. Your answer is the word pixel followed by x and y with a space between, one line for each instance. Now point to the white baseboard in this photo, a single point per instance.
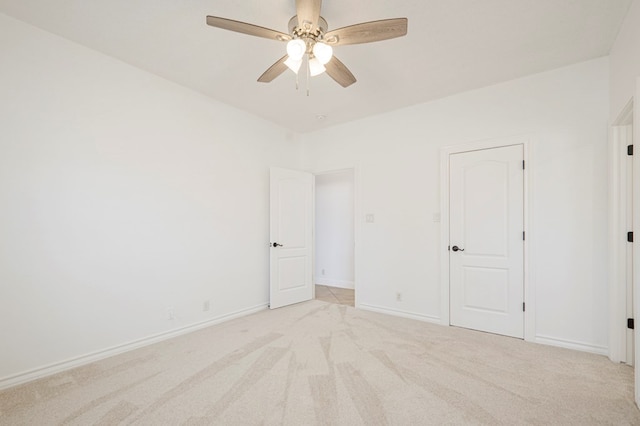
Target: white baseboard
pixel 334 283
pixel 543 340
pixel 38 373
pixel 398 313
pixel 569 344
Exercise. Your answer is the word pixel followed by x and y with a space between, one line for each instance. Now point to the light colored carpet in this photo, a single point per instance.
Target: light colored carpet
pixel 320 363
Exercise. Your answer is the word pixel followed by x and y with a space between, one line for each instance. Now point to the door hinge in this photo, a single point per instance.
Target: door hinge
pixel 523 235
pixel 522 164
pixel 630 323
pixel 630 237
pixel 629 149
pixel 523 307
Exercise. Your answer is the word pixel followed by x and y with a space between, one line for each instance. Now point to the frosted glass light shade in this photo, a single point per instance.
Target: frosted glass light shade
pixel 315 67
pixel 293 64
pixel 296 49
pixel 323 52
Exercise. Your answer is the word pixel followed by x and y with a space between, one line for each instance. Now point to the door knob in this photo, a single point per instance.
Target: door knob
pixel 456 248
pixel 276 245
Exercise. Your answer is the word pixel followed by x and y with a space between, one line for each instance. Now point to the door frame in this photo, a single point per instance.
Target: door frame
pixel 356 224
pixel 619 138
pixel 528 282
pixel 636 253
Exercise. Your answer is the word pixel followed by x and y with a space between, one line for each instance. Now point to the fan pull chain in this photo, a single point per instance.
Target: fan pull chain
pixel 308 75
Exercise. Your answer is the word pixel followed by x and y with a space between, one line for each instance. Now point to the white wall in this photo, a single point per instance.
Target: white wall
pixel 564 114
pixel 334 250
pixel 625 61
pixel 122 194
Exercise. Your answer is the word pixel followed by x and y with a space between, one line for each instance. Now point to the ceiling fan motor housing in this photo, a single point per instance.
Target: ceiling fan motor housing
pixel 306 32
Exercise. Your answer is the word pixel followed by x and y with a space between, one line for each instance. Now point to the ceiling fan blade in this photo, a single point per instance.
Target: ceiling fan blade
pixel 339 72
pixel 368 32
pixel 274 70
pixel 308 12
pixel 244 28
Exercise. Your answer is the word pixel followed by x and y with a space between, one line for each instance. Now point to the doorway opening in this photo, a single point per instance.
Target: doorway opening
pixel 334 265
pixel 621 347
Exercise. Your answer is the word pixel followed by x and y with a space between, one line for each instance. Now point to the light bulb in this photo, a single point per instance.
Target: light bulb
pixel 315 67
pixel 323 52
pixel 293 64
pixel 296 49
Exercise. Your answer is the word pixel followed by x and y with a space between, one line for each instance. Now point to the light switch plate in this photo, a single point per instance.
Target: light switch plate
pixel 370 218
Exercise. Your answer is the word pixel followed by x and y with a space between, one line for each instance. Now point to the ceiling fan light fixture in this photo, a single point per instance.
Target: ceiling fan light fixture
pixel 315 67
pixel 293 64
pixel 296 49
pixel 323 52
pixel 308 39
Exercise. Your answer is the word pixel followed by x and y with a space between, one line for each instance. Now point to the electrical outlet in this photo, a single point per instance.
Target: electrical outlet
pixel 206 305
pixel 323 272
pixel 171 314
pixel 398 297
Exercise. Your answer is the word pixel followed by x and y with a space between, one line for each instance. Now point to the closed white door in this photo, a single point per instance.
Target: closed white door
pixel 486 254
pixel 291 245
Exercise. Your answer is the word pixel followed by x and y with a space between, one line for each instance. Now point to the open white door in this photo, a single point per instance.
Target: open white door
pixel 291 232
pixel 486 220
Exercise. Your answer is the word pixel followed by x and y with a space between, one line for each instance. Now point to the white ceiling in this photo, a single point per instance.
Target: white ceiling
pixel 452 46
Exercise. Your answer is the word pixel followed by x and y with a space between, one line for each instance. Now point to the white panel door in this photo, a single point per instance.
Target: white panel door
pixel 291 232
pixel 486 255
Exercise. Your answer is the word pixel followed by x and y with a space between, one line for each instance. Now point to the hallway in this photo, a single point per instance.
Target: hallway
pixel 340 296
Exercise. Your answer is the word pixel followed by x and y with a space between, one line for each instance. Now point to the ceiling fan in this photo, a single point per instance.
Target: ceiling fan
pixel 309 39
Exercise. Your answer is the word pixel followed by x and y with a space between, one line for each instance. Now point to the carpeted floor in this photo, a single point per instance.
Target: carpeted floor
pixel 320 363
